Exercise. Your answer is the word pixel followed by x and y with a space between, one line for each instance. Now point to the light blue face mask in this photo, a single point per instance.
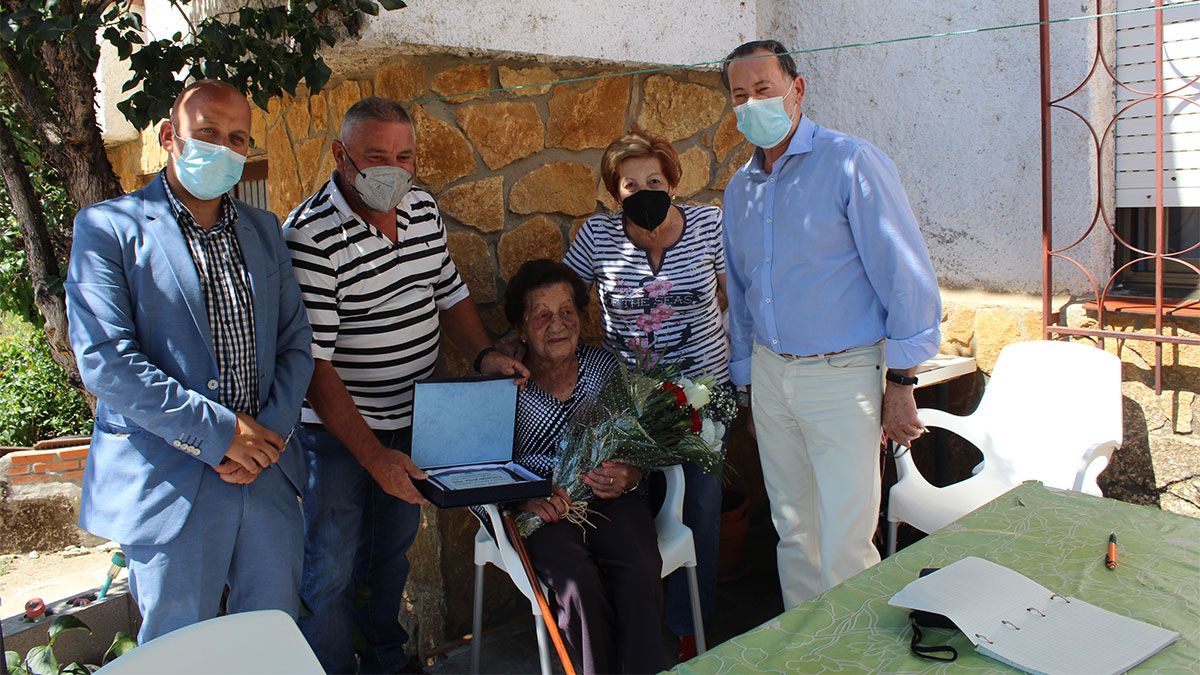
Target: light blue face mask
pixel 763 121
pixel 207 170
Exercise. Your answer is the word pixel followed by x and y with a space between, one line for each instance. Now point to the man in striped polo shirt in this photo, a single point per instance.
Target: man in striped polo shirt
pixel 379 285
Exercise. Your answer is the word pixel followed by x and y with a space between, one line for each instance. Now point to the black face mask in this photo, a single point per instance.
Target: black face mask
pixel 647 208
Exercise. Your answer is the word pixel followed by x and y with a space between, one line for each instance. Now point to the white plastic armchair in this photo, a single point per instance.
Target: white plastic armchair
pixel 246 643
pixel 675 545
pixel 1051 412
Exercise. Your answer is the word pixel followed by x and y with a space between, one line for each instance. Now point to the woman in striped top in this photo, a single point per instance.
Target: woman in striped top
pixel 658 267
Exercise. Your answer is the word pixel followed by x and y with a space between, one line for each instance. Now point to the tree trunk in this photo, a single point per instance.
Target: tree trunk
pixel 44 269
pixel 68 135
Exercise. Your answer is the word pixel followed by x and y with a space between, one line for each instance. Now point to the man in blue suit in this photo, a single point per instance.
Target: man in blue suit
pixel 187 324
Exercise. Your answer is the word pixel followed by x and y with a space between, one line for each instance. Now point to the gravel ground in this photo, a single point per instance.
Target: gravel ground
pixel 51 576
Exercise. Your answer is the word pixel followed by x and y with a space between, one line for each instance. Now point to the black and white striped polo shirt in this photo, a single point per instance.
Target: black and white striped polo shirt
pixel 373 305
pixel 671 310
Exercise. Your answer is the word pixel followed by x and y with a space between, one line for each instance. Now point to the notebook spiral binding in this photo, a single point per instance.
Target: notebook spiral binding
pixel 1027 609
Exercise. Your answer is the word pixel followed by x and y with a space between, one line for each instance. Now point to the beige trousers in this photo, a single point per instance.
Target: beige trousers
pixel 818 425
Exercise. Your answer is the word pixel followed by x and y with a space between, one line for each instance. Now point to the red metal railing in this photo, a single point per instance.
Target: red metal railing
pixel 1053 323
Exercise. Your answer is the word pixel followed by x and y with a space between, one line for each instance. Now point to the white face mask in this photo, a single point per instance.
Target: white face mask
pixel 381 187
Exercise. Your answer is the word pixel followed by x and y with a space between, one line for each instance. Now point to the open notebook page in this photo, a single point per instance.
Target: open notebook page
pixel 975 594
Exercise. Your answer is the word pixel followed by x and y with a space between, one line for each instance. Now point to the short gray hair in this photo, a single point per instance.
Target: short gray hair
pixel 374 108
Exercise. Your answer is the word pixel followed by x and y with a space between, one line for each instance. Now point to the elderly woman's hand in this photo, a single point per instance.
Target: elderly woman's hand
pixel 611 479
pixel 549 509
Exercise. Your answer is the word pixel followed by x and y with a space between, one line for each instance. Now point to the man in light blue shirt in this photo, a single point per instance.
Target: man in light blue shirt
pixel 827 274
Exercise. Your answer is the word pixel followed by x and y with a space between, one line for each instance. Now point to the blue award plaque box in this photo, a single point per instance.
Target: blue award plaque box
pixel 464 438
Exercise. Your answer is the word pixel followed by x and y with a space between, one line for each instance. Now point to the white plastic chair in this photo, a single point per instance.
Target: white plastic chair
pixel 1051 412
pixel 248 643
pixel 675 546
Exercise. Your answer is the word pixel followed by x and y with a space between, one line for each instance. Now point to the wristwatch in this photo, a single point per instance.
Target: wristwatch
pixel 900 378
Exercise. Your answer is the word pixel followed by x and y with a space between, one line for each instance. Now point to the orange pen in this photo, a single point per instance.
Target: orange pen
pixel 1110 558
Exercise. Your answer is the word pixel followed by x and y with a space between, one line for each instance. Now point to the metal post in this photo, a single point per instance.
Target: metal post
pixel 1047 182
pixel 1159 224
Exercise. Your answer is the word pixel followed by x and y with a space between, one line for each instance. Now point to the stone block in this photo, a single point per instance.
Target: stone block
pixel 1182 411
pixel 479 204
pixel 474 262
pixel 494 320
pixel 740 155
pixel 1176 458
pixel 283 191
pixel 523 78
pixel 309 155
pixel 564 187
pixel 588 114
pixel 727 136
pixel 459 83
pixel 538 237
pixel 318 109
pixel 258 127
pixel 340 98
pixel 503 132
pixel 678 110
pixel 696 165
pixel 443 153
pixel 958 327
pixel 39 517
pixel 607 200
pixel 402 80
pixel 296 113
pixel 995 328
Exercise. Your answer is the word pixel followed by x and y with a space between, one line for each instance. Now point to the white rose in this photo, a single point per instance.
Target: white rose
pixel 708 431
pixel 718 435
pixel 697 394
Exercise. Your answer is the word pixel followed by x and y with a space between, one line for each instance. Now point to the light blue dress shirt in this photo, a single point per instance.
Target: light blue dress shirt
pixel 823 254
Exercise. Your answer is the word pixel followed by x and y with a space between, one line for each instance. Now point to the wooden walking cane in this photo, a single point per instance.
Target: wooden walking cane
pixel 510 528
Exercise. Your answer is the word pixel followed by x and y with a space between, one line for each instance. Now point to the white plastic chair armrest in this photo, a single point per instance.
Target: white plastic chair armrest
pixel 1094 461
pixel 671 511
pixel 963 426
pixel 508 554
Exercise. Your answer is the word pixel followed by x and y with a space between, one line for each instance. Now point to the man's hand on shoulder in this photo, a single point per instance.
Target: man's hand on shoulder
pixel 395 471
pixel 254 446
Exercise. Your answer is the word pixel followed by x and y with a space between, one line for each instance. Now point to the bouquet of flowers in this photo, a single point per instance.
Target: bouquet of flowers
pixel 646 417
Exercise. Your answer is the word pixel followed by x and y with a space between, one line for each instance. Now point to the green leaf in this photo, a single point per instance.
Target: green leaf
pixel 392 4
pixel 121 645
pixel 41 661
pixel 13 661
pixel 75 668
pixel 65 622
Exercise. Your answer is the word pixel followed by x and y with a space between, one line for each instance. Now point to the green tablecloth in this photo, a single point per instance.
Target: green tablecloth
pixel 1056 538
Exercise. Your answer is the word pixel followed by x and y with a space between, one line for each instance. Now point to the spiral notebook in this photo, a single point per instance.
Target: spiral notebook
pixel 1013 619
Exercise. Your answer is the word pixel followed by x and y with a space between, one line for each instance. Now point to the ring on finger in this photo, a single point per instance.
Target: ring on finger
pixel 611 480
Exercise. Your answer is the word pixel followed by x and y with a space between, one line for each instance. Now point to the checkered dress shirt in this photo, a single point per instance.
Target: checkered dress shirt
pixel 228 299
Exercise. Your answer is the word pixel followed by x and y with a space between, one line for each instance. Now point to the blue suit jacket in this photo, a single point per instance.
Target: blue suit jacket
pixel 140 332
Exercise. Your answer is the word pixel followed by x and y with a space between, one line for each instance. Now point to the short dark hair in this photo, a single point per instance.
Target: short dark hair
pixel 540 273
pixel 375 108
pixel 786 63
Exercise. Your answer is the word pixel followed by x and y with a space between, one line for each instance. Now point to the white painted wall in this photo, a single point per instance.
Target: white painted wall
pixel 961 118
pixel 621 31
pixel 161 21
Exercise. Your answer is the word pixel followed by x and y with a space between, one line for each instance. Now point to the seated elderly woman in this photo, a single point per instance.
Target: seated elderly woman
pixel 605 582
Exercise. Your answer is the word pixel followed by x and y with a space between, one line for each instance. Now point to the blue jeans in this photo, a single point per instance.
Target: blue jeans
pixel 702 513
pixel 356 539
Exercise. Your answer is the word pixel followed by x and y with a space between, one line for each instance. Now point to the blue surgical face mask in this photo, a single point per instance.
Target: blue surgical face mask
pixel 207 170
pixel 763 121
